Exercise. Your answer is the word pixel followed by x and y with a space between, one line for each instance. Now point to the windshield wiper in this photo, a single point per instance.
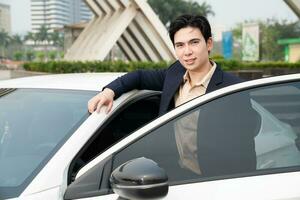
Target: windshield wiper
pixel 5 91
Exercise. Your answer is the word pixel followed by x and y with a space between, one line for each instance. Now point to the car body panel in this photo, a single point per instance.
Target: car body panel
pixel 80 81
pixel 182 109
pixel 264 187
pixel 51 182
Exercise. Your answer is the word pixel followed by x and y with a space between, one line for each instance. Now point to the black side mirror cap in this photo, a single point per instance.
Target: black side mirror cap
pixel 140 178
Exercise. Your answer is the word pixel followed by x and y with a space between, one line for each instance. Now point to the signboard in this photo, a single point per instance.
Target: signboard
pixel 227 41
pixel 250 42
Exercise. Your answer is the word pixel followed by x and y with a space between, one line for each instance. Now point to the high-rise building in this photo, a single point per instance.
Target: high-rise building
pixel 5 20
pixel 57 13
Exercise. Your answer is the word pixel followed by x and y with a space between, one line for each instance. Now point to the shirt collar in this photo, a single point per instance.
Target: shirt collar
pixel 205 80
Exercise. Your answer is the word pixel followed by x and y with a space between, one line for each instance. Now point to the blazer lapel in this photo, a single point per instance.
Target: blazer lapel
pixel 172 83
pixel 215 81
pixel 175 79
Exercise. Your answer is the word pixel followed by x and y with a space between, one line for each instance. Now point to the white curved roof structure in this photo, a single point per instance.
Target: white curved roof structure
pixel 131 24
pixel 294 5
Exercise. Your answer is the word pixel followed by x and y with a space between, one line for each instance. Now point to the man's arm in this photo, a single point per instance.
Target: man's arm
pixel 140 79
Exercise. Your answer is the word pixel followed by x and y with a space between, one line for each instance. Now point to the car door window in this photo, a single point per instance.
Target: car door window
pixel 131 116
pixel 240 134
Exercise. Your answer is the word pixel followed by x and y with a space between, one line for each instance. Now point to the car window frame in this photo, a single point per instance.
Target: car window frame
pixel 141 95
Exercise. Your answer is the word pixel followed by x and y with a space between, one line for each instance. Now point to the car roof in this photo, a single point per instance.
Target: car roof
pixel 75 81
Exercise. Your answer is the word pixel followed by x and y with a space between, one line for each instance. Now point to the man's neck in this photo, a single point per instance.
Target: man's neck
pixel 196 76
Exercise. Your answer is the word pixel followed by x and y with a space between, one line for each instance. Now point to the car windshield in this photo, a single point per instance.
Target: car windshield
pixel 34 124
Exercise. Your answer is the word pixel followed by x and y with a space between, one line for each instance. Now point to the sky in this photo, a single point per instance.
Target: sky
pixel 227 12
pixel 230 12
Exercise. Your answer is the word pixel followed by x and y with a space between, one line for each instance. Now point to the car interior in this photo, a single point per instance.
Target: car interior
pixel 129 118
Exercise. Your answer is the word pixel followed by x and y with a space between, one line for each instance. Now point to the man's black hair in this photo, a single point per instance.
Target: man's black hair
pixel 195 21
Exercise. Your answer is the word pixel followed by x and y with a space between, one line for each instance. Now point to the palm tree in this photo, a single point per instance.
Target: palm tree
pixel 4 41
pixel 43 35
pixel 205 9
pixel 16 44
pixel 17 39
pixel 168 10
pixel 30 36
pixel 57 39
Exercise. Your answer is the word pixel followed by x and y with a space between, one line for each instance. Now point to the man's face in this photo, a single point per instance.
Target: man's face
pixel 191 48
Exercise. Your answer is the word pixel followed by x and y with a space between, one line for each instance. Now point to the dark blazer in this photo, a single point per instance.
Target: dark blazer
pixel 168 81
pixel 225 143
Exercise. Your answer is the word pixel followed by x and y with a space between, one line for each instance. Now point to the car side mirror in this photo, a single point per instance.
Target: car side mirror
pixel 140 178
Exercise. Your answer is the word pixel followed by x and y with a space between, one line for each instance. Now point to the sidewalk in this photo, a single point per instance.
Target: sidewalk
pixel 9 74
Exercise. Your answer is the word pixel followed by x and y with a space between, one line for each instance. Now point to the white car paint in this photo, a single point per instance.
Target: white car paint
pixel 51 182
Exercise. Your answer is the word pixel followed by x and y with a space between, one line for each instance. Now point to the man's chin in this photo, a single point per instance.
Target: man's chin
pixel 190 67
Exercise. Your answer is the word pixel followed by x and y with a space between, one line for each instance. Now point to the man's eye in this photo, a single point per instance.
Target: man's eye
pixel 195 42
pixel 179 45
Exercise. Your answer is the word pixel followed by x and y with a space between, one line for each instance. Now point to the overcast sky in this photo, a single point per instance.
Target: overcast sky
pixel 227 12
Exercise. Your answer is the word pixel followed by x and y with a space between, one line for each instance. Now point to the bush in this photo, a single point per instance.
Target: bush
pixel 18 56
pixel 30 55
pixel 40 55
pixel 121 66
pixel 52 55
pixel 92 66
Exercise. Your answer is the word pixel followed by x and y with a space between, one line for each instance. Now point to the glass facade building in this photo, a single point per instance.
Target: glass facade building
pixel 57 13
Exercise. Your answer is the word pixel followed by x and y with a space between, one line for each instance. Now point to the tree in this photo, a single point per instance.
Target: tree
pixel 271 31
pixel 18 55
pixel 30 55
pixel 41 56
pixel 4 42
pixel 30 36
pixel 168 10
pixel 17 39
pixel 57 39
pixel 15 45
pixel 43 34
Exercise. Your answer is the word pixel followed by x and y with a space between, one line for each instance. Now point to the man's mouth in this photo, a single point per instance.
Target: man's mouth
pixel 190 61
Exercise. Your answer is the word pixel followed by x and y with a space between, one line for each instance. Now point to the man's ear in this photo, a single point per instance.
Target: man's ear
pixel 209 44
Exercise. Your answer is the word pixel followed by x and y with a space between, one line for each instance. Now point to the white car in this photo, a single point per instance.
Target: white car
pixel 52 148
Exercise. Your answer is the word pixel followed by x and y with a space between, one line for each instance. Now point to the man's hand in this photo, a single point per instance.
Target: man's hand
pixel 104 98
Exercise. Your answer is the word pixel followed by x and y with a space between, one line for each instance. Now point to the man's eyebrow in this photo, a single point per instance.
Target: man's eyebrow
pixel 194 39
pixel 179 43
pixel 191 40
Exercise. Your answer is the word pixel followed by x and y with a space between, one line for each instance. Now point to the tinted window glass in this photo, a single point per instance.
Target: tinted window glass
pixel 127 119
pixel 231 135
pixel 277 145
pixel 33 125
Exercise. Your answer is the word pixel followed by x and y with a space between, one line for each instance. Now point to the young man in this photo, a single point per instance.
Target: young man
pixel 193 75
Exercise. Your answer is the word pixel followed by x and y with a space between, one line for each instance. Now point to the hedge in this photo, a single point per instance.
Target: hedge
pixel 121 66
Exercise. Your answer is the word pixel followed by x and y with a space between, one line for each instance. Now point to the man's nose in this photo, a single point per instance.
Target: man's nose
pixel 187 50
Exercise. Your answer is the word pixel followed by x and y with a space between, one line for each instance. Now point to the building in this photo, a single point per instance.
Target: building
pixel 5 19
pixel 292 45
pixel 57 13
pixel 129 30
pixel 71 33
pixel 291 49
pixel 80 12
pixel 294 5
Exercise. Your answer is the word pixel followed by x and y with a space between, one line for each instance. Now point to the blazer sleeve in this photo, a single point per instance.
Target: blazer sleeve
pixel 140 79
